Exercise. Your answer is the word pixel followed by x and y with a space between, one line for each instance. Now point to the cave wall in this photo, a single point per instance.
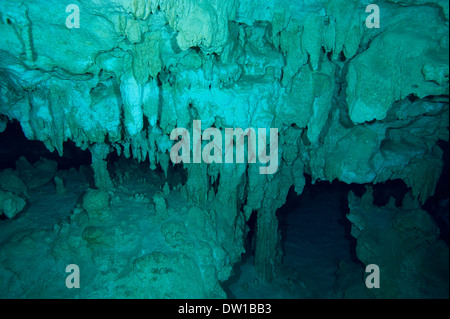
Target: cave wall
pixel 416 264
pixel 350 103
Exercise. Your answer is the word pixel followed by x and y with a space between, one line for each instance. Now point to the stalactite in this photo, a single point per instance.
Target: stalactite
pixel 349 103
pixel 99 165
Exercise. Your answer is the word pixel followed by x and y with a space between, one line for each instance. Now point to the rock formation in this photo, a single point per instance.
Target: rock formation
pixel 416 263
pixel 357 104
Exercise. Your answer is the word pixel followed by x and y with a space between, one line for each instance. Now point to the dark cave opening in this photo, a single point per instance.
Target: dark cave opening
pixel 249 240
pixel 319 211
pixel 319 214
pixel 14 144
pixel 119 166
pixel 382 192
pixel 246 257
pixel 316 234
pixel 438 204
pixel 301 218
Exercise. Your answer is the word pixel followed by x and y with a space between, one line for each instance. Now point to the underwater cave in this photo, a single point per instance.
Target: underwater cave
pixel 134 151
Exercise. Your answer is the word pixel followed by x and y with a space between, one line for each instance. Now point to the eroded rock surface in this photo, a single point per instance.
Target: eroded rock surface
pixel 350 103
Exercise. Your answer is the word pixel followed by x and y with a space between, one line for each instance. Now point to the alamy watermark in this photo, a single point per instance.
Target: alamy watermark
pixel 73 280
pixel 373 279
pixel 215 151
pixel 73 19
pixel 373 19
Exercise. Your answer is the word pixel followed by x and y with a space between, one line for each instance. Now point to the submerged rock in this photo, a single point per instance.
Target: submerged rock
pixel 345 101
pixel 11 204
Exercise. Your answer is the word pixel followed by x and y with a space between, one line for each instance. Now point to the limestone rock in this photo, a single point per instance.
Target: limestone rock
pixel 416 263
pixel 13 193
pixel 11 182
pixel 96 236
pixel 349 103
pixel 11 204
pixel 96 204
pixel 59 185
pixel 160 207
pixel 154 275
pixel 376 82
pixel 38 174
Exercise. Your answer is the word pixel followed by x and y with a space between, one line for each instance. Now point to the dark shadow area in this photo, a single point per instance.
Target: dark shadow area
pixel 382 192
pixel 121 166
pixel 438 204
pixel 14 144
pixel 335 191
pixel 249 252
